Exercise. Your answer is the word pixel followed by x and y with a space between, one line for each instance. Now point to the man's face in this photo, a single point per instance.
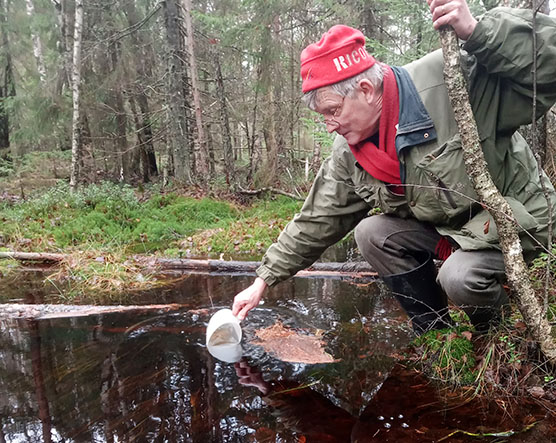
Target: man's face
pixel 355 118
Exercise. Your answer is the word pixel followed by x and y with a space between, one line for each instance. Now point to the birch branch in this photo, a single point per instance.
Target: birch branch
pixel 476 167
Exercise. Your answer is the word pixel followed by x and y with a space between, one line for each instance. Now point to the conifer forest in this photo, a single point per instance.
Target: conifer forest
pixel 203 93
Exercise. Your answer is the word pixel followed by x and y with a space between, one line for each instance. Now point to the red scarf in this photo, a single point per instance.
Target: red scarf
pixel 382 162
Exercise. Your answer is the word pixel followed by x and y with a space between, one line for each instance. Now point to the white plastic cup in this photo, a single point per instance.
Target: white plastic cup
pixel 226 353
pixel 224 336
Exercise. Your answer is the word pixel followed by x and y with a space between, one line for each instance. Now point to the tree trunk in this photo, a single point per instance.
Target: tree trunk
pixel 37 44
pixel 7 85
pixel 201 160
pixel 476 166
pixel 120 114
pixel 270 113
pixel 252 140
pixel 76 141
pixel 550 160
pixel 178 131
pixel 64 71
pixel 142 119
pixel 224 123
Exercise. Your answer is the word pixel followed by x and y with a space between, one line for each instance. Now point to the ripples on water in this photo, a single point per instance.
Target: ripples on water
pixel 147 376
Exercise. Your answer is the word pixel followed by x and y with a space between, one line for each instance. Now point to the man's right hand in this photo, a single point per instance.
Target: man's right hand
pixel 248 298
pixel 455 13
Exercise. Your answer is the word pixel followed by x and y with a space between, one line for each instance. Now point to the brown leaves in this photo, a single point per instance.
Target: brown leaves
pixel 536 391
pixel 467 334
pixel 292 346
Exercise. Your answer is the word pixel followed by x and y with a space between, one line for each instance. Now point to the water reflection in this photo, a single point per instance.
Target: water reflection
pixel 147 376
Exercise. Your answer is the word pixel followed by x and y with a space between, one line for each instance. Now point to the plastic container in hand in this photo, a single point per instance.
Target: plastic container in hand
pixel 224 336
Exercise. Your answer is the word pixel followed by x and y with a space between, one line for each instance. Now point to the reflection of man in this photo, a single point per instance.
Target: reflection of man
pixel 406 408
pixel 299 408
pixel 398 149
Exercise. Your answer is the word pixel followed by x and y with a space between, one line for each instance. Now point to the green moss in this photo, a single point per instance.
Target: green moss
pixel 109 217
pixel 252 232
pixel 110 221
pixel 448 355
pixel 7 266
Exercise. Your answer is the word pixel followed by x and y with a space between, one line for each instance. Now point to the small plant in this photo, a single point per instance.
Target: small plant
pixel 512 354
pixel 448 355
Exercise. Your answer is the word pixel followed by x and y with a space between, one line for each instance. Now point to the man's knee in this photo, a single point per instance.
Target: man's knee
pixel 466 283
pixel 367 232
pixel 377 228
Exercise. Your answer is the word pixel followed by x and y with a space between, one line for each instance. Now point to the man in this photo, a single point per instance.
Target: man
pixel 398 149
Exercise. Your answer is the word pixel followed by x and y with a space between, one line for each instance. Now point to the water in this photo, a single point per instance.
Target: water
pixel 146 376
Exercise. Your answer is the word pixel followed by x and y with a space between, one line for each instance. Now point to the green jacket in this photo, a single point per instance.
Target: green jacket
pixel 497 63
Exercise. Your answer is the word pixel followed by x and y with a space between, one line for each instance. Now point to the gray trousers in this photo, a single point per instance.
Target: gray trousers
pixel 471 279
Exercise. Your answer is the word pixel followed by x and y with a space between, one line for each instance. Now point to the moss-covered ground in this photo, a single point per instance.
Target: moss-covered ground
pixel 101 226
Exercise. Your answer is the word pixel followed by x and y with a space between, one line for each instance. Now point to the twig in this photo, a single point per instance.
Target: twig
pixel 271 190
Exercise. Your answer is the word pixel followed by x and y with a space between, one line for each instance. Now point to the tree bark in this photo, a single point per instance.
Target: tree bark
pixel 64 71
pixel 7 85
pixel 224 123
pixel 270 113
pixel 120 117
pixel 476 166
pixel 359 269
pixel 550 160
pixel 76 139
pixel 201 160
pixel 37 44
pixel 178 130
pixel 142 118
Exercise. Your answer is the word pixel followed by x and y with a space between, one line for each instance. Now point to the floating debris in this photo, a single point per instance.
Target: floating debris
pixel 292 346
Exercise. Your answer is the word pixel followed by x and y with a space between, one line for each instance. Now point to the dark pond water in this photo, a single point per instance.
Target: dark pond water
pixel 147 376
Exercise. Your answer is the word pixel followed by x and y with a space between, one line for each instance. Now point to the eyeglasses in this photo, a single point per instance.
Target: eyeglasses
pixel 337 112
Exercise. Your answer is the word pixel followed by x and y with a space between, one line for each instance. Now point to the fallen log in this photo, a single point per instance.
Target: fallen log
pixel 251 266
pixel 34 256
pixel 272 191
pixel 353 269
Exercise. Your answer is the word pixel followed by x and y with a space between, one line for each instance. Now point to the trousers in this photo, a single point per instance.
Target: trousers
pixel 472 280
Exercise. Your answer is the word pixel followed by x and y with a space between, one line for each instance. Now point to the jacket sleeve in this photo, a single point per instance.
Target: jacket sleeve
pixel 331 210
pixel 502 44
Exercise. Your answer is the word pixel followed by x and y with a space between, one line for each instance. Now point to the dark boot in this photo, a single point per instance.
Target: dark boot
pixel 483 317
pixel 421 297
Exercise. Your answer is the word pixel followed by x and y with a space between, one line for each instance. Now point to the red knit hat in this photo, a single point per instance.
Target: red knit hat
pixel 340 54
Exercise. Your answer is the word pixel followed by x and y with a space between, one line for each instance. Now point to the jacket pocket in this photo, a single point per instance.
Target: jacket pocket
pixel 444 169
pixel 483 226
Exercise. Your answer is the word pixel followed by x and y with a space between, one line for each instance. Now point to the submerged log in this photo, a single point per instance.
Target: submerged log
pixel 47 311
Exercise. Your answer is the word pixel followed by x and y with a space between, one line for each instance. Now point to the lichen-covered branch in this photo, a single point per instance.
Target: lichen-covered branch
pixel 476 166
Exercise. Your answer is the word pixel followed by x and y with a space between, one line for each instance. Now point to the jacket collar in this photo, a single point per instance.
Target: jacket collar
pixel 415 125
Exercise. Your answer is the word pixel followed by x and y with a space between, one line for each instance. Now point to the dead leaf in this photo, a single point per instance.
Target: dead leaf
pixel 536 391
pixel 520 326
pixel 291 346
pixel 486 226
pixel 467 334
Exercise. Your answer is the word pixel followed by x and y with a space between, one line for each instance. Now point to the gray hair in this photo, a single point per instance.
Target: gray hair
pixel 347 88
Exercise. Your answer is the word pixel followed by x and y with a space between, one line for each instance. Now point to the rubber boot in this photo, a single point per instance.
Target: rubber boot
pixel 421 297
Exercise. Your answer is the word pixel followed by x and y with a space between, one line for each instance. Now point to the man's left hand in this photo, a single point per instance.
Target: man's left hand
pixel 455 13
